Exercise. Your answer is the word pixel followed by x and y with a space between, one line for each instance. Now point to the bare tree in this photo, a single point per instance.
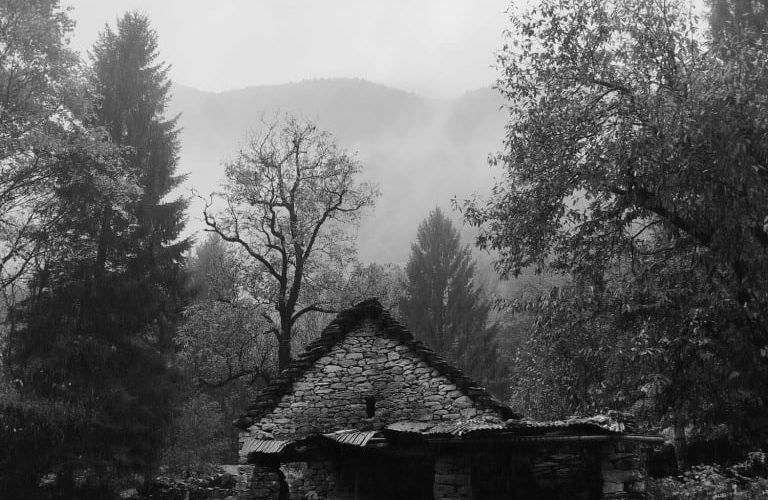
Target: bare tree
pixel 289 199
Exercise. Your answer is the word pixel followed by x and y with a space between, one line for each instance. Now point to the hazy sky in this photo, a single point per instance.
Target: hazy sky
pixel 437 48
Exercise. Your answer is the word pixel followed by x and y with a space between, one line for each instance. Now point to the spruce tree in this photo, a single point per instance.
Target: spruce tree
pixel 444 307
pixel 101 312
pixel 135 89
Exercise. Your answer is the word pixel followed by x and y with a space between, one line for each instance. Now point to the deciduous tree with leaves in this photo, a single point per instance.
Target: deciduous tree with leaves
pixel 635 162
pixel 224 337
pixel 45 100
pixel 290 197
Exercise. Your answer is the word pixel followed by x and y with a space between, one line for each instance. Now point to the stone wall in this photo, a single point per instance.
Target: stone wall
pixel 571 470
pixel 453 478
pixel 332 395
pixel 320 480
pixel 243 480
pixel 567 470
pixel 622 471
pixel 545 471
pixel 585 471
pixel 260 483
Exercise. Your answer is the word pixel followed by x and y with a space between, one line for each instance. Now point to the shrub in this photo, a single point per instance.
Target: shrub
pixel 198 439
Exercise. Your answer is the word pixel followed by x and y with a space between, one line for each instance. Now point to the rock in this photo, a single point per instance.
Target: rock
pixel 462 402
pixel 468 412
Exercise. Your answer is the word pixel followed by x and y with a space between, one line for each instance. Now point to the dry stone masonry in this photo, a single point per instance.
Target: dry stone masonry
pixel 364 383
pixel 622 472
pixel 453 477
pixel 369 413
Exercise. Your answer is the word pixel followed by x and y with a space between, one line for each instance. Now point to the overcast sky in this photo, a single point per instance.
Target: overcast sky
pixel 436 48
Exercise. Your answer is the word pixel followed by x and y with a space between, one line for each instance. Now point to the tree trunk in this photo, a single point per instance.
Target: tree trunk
pixel 680 444
pixel 284 350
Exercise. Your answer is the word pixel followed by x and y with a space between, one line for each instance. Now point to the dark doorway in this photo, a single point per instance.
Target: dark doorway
pixel 497 476
pixel 393 478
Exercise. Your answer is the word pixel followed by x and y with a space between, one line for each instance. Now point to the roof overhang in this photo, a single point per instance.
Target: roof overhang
pixel 419 438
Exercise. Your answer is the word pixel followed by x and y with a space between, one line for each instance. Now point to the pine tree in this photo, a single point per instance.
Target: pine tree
pixel 444 307
pixel 101 312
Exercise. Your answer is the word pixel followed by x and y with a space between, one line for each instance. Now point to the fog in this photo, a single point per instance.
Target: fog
pixel 421 152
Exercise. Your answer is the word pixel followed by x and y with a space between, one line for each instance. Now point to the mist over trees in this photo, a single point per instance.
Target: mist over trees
pixel 628 230
pixel 420 151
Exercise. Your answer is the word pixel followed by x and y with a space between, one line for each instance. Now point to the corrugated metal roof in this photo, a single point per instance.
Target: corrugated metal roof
pixel 274 446
pixel 519 427
pixel 488 426
pixel 351 437
pixel 253 445
pixel 453 428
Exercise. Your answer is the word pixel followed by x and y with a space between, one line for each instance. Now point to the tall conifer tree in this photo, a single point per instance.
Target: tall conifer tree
pixel 135 90
pixel 444 307
pixel 101 313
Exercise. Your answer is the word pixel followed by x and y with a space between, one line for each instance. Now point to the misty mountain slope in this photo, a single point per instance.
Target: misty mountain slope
pixel 421 152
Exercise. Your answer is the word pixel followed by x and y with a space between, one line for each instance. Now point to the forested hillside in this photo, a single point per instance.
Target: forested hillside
pixel 421 152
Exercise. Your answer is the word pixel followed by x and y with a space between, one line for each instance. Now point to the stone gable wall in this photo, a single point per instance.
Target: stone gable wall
pixel 332 394
pixel 321 479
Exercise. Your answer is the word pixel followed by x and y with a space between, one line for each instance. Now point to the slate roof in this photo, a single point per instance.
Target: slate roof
pixel 346 322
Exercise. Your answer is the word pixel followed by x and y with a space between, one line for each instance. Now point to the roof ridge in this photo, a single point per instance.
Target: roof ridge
pixel 344 322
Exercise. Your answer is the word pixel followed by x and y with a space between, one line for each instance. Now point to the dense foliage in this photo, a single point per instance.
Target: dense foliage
pixel 224 337
pixel 635 162
pixel 741 481
pixel 198 440
pixel 45 98
pixel 95 329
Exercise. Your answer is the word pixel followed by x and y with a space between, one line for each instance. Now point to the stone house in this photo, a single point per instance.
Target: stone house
pixel 367 412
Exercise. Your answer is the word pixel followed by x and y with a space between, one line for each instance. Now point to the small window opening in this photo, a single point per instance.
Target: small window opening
pixel 370 406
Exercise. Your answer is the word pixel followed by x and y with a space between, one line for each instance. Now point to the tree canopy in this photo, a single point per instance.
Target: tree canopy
pixel 290 195
pixel 223 336
pixel 635 163
pixel 45 100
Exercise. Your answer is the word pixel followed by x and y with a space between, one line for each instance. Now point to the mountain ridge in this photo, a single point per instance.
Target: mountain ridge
pixel 335 80
pixel 420 151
